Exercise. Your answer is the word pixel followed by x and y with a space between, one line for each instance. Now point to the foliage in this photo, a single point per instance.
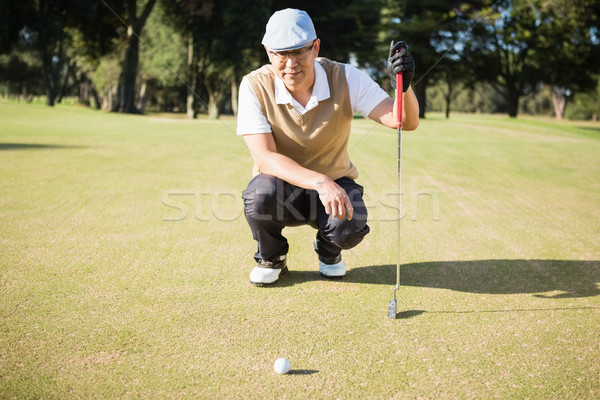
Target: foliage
pixel 533 53
pixel 586 105
pixel 105 76
pixel 134 15
pixel 520 44
pixel 347 29
pixel 163 53
pixel 477 98
pixel 224 42
pixel 431 29
pixel 44 27
pixel 14 16
pixel 19 73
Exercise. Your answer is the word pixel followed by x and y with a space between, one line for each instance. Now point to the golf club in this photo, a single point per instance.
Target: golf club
pixel 393 304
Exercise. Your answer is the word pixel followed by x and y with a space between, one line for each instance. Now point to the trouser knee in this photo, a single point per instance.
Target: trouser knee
pixel 343 233
pixel 260 197
pixel 347 234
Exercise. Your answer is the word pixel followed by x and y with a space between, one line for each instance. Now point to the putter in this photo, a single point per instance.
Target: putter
pixel 393 304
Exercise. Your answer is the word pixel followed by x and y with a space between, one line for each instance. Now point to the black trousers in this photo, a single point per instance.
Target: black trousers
pixel 270 204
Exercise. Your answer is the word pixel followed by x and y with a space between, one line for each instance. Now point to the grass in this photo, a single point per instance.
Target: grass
pixel 124 262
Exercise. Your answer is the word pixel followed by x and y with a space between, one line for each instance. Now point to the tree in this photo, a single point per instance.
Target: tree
pixel 477 97
pixel 125 98
pixel 567 49
pixel 452 76
pixel 20 72
pixel 223 40
pixel 431 29
pixel 186 17
pixel 15 15
pixel 162 61
pixel 348 30
pixel 43 32
pixel 45 27
pixel 223 53
pixel 586 105
pixel 521 43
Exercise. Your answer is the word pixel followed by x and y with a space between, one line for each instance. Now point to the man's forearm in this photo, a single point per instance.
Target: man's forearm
pixel 290 171
pixel 385 112
pixel 410 115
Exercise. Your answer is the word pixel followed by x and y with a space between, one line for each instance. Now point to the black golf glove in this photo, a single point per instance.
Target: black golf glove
pixel 400 61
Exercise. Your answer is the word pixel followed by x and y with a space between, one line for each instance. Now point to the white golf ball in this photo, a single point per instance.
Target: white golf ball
pixel 281 366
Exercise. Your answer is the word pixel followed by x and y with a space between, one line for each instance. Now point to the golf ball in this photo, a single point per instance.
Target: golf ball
pixel 281 366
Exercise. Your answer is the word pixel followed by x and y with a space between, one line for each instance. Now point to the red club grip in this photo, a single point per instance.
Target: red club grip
pixel 399 87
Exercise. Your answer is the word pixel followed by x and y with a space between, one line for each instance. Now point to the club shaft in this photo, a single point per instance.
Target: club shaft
pixel 399 208
pixel 399 176
pixel 392 305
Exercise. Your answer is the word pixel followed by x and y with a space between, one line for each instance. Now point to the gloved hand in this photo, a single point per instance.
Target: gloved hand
pixel 400 61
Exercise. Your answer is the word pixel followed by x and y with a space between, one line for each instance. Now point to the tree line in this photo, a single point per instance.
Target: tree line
pixel 190 55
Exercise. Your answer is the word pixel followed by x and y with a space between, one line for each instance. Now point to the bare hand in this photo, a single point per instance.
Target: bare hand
pixel 335 199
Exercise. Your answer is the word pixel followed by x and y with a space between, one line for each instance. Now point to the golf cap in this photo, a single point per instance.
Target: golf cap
pixel 289 29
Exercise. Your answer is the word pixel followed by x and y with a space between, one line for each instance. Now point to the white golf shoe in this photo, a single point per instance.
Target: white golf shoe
pixel 268 272
pixel 336 270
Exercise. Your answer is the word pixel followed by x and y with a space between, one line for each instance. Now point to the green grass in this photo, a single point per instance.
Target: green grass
pixel 124 262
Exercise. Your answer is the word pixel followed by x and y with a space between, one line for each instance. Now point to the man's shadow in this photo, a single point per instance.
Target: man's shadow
pixel 562 278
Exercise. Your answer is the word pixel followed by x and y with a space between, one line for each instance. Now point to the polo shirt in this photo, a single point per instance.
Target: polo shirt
pixel 365 95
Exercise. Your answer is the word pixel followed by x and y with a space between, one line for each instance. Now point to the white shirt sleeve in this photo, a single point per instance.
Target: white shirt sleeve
pixel 365 93
pixel 250 118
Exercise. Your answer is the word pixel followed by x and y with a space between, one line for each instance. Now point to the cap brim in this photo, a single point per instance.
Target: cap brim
pixel 291 48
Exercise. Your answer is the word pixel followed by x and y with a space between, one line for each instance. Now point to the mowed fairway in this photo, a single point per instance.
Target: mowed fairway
pixel 124 263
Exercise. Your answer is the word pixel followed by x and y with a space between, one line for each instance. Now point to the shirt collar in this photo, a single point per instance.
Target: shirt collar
pixel 320 89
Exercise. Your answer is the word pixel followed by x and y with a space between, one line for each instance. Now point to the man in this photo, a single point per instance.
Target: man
pixel 295 116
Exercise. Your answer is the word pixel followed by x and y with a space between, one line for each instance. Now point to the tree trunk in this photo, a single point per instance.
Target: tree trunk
pixel 513 108
pixel 50 78
pixel 88 90
pixel 559 100
pixel 84 89
pixel 141 97
pixel 63 88
pixel 215 99
pixel 84 92
pixel 512 102
pixel 448 98
pixel 125 101
pixel 215 85
pixel 145 95
pixel 192 80
pixel 94 94
pixel 109 98
pixel 234 96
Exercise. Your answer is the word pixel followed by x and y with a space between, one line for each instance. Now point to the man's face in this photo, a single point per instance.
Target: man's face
pixel 296 66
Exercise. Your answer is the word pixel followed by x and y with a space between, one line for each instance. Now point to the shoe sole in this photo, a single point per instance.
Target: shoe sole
pixel 332 277
pixel 284 271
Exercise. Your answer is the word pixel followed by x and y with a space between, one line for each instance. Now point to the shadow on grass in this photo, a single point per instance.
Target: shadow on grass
pixel 409 314
pixel 589 129
pixel 566 278
pixel 415 313
pixel 33 146
pixel 303 372
pixel 551 279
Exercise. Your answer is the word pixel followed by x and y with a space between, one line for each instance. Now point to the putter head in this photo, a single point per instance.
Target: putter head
pixel 392 308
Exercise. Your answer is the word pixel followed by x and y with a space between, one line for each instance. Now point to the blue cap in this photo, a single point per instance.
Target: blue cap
pixel 289 29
